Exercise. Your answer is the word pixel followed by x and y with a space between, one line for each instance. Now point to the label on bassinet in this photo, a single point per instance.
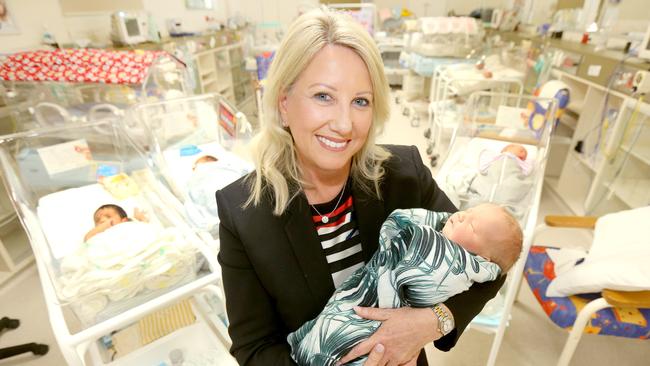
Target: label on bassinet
pixel 66 156
pixel 189 150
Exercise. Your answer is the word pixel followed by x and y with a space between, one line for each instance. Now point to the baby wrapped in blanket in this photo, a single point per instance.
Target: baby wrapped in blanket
pixel 416 265
pixel 120 257
pixel 504 177
pixel 209 175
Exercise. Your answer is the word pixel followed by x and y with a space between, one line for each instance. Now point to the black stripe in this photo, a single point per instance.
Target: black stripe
pixel 345 244
pixel 343 228
pixel 346 262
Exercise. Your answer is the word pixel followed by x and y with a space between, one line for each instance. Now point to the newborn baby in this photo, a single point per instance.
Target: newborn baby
pixel 503 177
pixel 424 258
pixel 209 175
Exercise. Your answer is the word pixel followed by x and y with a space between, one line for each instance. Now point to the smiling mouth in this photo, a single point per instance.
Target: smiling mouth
pixel 332 145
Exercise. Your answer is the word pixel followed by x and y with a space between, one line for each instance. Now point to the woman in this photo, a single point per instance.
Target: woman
pixel 310 214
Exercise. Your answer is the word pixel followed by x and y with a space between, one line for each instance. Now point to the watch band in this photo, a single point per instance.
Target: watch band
pixel 445 321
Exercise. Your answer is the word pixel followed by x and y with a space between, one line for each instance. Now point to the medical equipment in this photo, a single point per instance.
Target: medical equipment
pixel 128 28
pixel 446 36
pixel 450 87
pixel 57 177
pixel 489 122
pixel 197 144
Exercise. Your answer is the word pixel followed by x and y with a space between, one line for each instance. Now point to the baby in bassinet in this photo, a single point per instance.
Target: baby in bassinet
pixel 121 257
pixel 110 215
pixel 209 174
pixel 424 258
pixel 503 177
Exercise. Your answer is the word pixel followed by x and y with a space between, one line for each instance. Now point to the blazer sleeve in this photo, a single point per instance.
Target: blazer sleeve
pixel 255 330
pixel 466 305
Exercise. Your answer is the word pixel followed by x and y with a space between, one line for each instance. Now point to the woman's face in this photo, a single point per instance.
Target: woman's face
pixel 329 111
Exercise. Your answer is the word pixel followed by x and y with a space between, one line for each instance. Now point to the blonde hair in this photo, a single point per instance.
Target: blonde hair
pixel 273 151
pixel 508 247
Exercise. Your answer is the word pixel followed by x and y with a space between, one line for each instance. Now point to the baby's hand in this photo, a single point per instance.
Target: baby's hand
pixel 140 215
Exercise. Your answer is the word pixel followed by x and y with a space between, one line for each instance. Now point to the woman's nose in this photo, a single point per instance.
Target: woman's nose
pixel 342 124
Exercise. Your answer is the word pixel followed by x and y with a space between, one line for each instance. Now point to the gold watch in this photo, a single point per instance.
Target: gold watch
pixel 445 320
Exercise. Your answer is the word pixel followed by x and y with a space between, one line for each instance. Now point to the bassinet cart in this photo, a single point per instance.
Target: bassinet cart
pixel 68 84
pixel 450 87
pixel 489 122
pixel 197 143
pixel 56 178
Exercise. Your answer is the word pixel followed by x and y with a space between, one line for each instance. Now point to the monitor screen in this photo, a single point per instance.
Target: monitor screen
pixel 132 27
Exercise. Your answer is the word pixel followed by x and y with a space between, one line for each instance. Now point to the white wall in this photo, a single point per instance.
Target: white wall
pixel 30 16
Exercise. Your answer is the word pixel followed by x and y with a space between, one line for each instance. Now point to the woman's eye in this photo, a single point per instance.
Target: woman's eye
pixel 362 102
pixel 322 97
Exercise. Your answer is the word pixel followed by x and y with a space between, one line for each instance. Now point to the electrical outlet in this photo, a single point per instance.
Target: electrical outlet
pixel 642 82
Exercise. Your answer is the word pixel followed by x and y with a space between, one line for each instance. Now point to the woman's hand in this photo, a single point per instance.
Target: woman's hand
pixel 398 341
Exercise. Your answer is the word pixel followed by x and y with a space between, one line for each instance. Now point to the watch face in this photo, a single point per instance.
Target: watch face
pixel 446 326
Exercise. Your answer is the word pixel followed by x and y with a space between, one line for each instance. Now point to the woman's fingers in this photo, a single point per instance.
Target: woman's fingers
pixel 361 349
pixel 375 357
pixel 373 313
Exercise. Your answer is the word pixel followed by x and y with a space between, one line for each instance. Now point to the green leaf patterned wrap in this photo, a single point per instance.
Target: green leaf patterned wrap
pixel 415 266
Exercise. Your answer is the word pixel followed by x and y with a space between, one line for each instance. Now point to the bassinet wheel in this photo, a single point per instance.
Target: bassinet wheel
pixel 427 133
pixel 40 349
pixel 430 150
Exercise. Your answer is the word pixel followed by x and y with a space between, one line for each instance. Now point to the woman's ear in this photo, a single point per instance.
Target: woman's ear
pixel 282 105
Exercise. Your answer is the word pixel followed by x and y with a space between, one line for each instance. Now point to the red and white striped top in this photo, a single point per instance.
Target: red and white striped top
pixel 339 237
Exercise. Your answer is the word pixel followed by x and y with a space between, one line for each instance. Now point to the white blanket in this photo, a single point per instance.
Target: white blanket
pixel 617 260
pixel 125 259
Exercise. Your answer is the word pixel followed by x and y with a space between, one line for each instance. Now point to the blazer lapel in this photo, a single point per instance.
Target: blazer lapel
pixel 371 215
pixel 307 248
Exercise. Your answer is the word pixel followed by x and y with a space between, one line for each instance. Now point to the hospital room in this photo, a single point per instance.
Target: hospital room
pixel 321 182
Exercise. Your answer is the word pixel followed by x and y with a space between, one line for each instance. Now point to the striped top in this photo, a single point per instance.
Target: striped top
pixel 339 237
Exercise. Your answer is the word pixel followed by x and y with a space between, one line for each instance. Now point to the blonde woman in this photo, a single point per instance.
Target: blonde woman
pixel 309 216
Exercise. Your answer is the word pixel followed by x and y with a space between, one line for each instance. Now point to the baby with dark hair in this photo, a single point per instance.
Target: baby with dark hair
pixel 109 215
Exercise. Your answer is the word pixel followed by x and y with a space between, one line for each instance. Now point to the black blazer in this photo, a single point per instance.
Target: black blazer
pixel 276 276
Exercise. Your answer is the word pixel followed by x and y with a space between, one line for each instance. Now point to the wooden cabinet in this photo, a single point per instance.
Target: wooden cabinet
pixel 606 167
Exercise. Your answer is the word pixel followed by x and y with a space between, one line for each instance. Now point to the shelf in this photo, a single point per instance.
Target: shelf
pixel 576 106
pixel 192 340
pixel 585 161
pixel 209 80
pixel 640 151
pixel 633 192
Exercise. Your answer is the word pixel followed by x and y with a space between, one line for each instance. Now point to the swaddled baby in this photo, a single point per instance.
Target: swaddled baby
pixel 120 257
pixel 209 175
pixel 423 259
pixel 504 177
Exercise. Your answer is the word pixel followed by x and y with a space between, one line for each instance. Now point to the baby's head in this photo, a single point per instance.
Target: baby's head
pixel 204 159
pixel 516 150
pixel 489 231
pixel 110 212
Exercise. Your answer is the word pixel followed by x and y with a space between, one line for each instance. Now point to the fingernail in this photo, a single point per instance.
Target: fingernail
pixel 380 348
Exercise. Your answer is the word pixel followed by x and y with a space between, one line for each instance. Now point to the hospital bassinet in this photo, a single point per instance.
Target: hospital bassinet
pixel 57 177
pixel 489 122
pixel 48 87
pixel 184 133
pixel 451 85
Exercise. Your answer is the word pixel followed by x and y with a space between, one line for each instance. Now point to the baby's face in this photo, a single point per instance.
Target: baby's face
pixel 517 150
pixel 475 228
pixel 108 214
